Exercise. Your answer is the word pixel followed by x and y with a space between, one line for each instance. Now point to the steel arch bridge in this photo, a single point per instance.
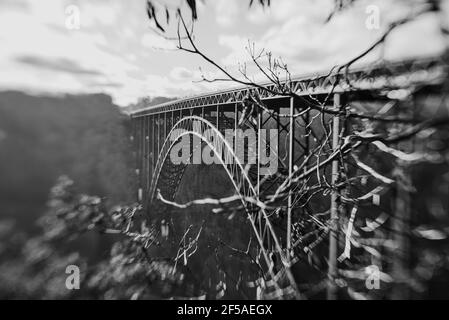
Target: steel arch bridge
pixel 158 128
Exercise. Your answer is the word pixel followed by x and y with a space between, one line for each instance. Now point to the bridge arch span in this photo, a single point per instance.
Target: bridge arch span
pixel 195 125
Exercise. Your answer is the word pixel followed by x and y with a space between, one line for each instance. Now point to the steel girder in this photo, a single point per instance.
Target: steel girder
pixel 375 77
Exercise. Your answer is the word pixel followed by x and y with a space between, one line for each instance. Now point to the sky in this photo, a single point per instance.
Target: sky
pixel 116 50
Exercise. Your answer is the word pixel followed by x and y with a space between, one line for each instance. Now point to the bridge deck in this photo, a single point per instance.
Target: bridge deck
pixel 379 76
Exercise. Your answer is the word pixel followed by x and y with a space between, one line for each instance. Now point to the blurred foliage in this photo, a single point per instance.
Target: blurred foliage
pixel 161 13
pixel 34 268
pixel 43 137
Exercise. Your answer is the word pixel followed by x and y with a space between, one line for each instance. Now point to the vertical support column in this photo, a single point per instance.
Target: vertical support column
pixel 133 139
pixel 165 125
pixel 402 209
pixel 401 226
pixel 137 152
pixel 150 150
pixel 278 128
pixel 218 117
pixel 401 223
pixel 333 234
pixel 147 153
pixel 291 140
pixel 307 131
pixel 144 155
pixel 259 144
pixel 141 157
pixel 158 133
pixel 236 125
pixel 259 124
pixel 153 129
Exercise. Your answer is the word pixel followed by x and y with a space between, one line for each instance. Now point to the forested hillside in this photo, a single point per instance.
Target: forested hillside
pixel 85 137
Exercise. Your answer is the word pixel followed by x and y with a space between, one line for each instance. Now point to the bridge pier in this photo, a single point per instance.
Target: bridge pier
pixel 334 215
pixel 291 139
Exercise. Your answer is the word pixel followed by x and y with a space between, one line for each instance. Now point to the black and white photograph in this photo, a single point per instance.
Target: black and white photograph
pixel 232 150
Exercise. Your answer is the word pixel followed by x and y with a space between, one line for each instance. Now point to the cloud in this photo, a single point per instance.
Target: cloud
pixel 14 4
pixel 40 55
pixel 105 13
pixel 59 64
pixel 283 10
pixel 238 49
pixel 115 52
pixel 157 42
pixel 106 84
pixel 181 73
pixel 297 32
pixel 227 12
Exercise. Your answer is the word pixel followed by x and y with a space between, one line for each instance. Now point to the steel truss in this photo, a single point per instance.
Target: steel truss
pixel 298 138
pixel 374 77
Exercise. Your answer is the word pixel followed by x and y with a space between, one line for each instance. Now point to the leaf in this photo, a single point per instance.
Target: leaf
pixel 192 6
pixel 151 12
pixel 167 15
pixel 376 199
pixel 430 234
pixel 261 2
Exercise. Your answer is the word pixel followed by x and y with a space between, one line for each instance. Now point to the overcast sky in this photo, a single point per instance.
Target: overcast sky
pixel 116 51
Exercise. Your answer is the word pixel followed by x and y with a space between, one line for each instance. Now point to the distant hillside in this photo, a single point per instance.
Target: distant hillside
pixel 85 137
pixel 146 102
